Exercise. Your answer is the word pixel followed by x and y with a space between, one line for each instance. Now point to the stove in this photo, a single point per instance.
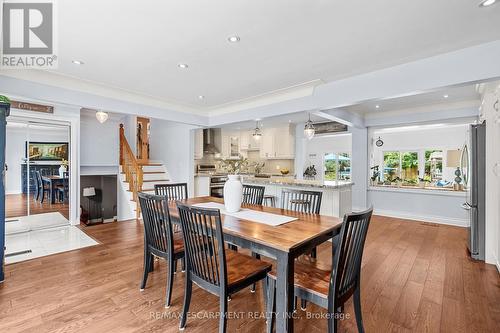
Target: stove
pixel 217 179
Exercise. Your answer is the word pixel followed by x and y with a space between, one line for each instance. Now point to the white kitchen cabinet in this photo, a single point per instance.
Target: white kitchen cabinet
pixel 278 143
pixel 198 144
pixel 230 146
pixel 248 142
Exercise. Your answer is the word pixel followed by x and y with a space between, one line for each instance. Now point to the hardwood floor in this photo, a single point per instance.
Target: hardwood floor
pixel 416 277
pixel 17 205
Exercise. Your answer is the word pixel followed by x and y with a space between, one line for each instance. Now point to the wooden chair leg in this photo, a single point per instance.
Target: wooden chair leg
pixel 223 313
pixel 183 267
pixel 270 308
pixel 303 304
pixel 256 256
pixel 187 300
pixel 170 282
pixel 147 262
pixel 357 309
pixel 152 263
pixel 175 266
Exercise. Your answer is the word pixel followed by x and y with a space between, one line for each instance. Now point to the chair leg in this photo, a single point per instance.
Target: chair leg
pixel 332 324
pixel 147 262
pixel 357 309
pixel 232 247
pixel 256 256
pixel 303 304
pixel 175 266
pixel 295 299
pixel 314 253
pixel 187 300
pixel 183 267
pixel 152 263
pixel 223 313
pixel 170 282
pixel 270 308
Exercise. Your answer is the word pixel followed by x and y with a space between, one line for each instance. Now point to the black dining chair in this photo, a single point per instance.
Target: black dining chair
pixel 253 194
pixel 209 264
pixel 331 287
pixel 43 187
pixel 63 190
pixel 173 192
pixel 159 239
pixel 34 179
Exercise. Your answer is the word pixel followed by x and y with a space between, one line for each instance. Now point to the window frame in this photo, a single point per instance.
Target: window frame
pixel 336 155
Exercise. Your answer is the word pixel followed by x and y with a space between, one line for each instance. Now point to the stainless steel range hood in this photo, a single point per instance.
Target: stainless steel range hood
pixel 210 142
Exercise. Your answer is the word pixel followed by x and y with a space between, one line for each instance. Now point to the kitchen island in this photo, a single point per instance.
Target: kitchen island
pixel 337 195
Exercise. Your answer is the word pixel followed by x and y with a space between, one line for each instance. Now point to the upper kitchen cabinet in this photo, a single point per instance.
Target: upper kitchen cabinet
pixel 198 144
pixel 231 145
pixel 278 143
pixel 248 142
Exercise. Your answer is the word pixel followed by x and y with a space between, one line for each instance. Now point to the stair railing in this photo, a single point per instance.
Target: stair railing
pixel 131 168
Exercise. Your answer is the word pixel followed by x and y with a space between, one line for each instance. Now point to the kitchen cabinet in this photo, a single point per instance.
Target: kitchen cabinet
pixel 201 185
pixel 198 144
pixel 278 143
pixel 248 142
pixel 230 146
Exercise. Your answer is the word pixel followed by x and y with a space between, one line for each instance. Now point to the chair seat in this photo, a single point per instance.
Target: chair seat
pixel 313 277
pixel 178 242
pixel 242 267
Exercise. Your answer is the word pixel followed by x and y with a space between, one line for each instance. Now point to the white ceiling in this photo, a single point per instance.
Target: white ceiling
pixel 136 46
pixel 455 94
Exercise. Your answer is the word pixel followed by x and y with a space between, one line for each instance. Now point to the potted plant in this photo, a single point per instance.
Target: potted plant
pixel 233 188
pixel 375 175
pixel 258 166
pixel 310 172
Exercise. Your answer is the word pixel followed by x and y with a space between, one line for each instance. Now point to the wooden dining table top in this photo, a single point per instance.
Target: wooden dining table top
pixel 54 177
pixel 284 237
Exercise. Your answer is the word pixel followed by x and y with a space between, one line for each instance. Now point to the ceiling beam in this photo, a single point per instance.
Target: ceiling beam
pixel 350 119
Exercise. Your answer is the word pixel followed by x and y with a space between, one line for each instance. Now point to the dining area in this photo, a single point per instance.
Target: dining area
pixel 268 252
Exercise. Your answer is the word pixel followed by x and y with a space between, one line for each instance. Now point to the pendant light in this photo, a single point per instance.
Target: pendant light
pixel 309 129
pixel 257 133
pixel 101 116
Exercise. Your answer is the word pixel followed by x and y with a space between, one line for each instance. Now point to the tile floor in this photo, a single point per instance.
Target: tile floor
pixel 45 242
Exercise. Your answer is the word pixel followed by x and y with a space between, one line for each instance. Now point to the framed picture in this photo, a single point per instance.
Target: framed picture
pixel 47 151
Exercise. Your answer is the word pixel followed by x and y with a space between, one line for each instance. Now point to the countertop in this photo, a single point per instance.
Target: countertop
pixel 297 182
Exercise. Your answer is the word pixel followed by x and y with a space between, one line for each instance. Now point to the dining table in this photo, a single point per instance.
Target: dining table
pixel 54 181
pixel 284 243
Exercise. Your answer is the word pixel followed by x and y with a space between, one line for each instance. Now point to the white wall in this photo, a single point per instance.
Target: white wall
pixel 490 114
pixel 173 143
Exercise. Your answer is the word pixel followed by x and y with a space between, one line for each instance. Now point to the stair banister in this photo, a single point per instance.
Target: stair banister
pixel 131 169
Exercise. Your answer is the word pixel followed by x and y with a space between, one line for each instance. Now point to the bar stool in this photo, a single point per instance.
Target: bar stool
pixel 269 200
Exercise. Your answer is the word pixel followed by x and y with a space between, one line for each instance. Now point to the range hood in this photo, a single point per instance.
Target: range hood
pixel 209 140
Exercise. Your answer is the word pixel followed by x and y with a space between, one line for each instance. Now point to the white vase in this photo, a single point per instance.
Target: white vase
pixel 62 170
pixel 233 193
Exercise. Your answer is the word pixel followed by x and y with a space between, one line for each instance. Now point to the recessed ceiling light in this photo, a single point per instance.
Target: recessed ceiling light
pixel 486 3
pixel 201 97
pixel 377 106
pixel 183 66
pixel 78 62
pixel 445 96
pixel 234 39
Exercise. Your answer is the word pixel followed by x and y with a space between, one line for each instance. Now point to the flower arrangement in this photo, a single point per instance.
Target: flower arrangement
pixel 64 163
pixel 258 166
pixel 235 166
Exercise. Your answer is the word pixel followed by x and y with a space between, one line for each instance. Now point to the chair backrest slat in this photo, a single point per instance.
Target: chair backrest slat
pixel 204 243
pixel 253 195
pixel 157 224
pixel 177 191
pixel 349 252
pixel 308 202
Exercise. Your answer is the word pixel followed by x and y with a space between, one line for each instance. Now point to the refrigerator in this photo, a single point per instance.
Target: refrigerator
pixel 473 167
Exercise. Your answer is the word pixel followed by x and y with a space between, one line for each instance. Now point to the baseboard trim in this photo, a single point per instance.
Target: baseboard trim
pixel 424 218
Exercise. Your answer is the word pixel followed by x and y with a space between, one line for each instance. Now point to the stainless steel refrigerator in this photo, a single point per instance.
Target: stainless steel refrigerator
pixel 473 166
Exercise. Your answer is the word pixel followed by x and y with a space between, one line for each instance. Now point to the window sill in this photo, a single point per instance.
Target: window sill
pixel 418 190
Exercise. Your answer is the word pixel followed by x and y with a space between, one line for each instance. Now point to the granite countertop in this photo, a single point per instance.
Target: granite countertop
pixel 297 182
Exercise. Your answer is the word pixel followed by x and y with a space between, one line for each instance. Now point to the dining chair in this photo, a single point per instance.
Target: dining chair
pixel 209 264
pixel 159 239
pixel 173 192
pixel 331 287
pixel 308 202
pixel 63 190
pixel 253 194
pixel 36 192
pixel 42 186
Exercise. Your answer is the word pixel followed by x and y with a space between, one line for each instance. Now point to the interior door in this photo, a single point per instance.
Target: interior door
pixel 143 134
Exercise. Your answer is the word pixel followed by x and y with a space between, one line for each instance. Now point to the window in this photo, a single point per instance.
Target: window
pixel 433 165
pixel 401 166
pixel 337 167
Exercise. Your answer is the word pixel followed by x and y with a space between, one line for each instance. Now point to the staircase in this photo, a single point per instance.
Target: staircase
pixel 137 177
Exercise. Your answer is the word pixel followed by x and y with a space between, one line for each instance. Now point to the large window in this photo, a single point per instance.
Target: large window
pixel 402 166
pixel 433 165
pixel 337 166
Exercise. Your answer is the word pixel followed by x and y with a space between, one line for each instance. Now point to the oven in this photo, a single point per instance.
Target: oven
pixel 217 185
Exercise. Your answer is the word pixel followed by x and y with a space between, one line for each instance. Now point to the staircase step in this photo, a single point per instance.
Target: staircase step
pixel 155 180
